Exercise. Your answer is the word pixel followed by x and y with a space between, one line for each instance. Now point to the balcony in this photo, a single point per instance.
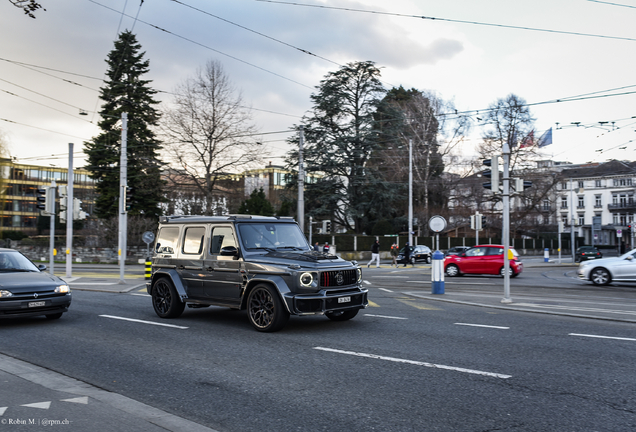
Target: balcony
pixel 624 206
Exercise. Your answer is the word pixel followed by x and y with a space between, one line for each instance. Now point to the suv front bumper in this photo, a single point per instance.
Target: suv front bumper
pixel 326 301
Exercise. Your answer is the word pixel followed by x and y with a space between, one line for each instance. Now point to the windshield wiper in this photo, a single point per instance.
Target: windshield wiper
pixel 290 247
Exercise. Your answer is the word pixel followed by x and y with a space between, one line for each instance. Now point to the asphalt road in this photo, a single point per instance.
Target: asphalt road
pixel 406 363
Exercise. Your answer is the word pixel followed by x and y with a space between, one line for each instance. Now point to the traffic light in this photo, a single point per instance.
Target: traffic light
pixel 63 204
pixel 46 200
pixel 328 226
pixel 492 173
pixel 78 213
pixel 521 185
pixel 483 221
pixel 128 200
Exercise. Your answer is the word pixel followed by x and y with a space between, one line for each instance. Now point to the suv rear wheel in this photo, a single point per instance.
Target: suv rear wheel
pixel 265 309
pixel 165 299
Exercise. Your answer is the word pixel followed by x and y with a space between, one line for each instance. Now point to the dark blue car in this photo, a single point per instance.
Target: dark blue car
pixel 25 290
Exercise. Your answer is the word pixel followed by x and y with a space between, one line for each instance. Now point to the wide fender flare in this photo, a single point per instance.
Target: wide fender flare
pixel 276 281
pixel 176 281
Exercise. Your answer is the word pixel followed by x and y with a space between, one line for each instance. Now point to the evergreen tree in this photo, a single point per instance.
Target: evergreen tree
pixel 257 204
pixel 339 140
pixel 126 91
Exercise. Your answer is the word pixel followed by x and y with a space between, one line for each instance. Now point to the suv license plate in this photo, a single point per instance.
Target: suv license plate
pixel 37 304
pixel 344 299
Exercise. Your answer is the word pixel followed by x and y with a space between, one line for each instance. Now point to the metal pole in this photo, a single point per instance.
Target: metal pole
pixel 52 229
pixel 572 246
pixel 301 182
pixel 69 214
pixel 123 183
pixel 506 221
pixel 311 226
pixel 410 192
pixel 559 224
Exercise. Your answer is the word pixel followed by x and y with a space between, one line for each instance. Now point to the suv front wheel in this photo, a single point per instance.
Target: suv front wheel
pixel 265 309
pixel 165 299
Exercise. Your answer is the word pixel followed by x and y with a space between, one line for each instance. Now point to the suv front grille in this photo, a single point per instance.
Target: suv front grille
pixel 337 278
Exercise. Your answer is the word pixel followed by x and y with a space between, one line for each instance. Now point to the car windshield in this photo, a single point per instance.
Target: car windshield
pixel 272 236
pixel 15 262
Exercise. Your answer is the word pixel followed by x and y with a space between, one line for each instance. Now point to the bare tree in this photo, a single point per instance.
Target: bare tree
pixel 209 135
pixel 28 6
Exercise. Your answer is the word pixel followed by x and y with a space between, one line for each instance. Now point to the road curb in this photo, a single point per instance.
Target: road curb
pixel 62 383
pixel 516 309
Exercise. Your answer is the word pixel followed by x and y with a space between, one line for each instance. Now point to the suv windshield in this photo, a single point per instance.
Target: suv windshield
pixel 272 236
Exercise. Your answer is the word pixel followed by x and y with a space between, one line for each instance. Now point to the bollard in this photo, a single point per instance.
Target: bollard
pixel 437 273
pixel 546 255
pixel 148 269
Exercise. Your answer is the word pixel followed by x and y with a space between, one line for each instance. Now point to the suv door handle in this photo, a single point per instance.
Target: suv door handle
pixel 181 267
pixel 210 269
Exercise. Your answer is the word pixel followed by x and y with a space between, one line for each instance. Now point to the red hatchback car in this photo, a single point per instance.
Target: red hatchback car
pixel 486 259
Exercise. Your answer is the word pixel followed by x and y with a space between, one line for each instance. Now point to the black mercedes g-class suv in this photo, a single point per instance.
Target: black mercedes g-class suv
pixel 262 264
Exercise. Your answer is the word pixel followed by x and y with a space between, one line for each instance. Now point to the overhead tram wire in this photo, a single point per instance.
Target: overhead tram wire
pixel 612 4
pixel 507 26
pixel 209 48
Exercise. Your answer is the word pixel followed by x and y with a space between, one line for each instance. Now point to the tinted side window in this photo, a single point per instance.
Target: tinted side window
pixel 167 240
pixel 193 240
pixel 495 251
pixel 221 237
pixel 476 251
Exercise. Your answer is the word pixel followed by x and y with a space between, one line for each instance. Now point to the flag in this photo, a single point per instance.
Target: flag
pixel 528 141
pixel 546 138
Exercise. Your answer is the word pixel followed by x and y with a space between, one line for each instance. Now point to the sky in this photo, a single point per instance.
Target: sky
pixel 571 60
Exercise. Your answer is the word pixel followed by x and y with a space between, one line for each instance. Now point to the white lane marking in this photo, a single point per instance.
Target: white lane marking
pixel 79 400
pixel 40 405
pixel 385 316
pixel 68 279
pixel 143 322
pixel 416 363
pixel 366 282
pixel 576 308
pixel 141 295
pixel 602 337
pixel 2 410
pixel 93 283
pixel 384 289
pixel 482 325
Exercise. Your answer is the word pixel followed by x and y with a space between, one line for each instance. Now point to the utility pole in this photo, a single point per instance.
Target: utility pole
pixel 52 229
pixel 506 221
pixel 123 183
pixel 410 192
pixel 69 214
pixel 572 219
pixel 301 183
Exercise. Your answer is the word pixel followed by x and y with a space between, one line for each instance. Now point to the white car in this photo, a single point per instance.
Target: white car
pixel 605 270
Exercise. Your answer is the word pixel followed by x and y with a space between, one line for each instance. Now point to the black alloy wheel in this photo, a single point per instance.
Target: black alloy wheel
pixel 165 299
pixel 265 309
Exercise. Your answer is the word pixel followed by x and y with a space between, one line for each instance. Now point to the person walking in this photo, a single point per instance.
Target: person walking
pixel 317 247
pixel 395 251
pixel 325 248
pixel 375 254
pixel 407 253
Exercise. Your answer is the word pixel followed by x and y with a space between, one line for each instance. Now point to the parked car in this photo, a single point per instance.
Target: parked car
pixel 585 253
pixel 419 253
pixel 25 290
pixel 605 270
pixel 486 259
pixel 260 264
pixel 456 250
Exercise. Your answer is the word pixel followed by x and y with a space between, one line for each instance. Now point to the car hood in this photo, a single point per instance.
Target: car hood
pixel 602 261
pixel 29 281
pixel 301 257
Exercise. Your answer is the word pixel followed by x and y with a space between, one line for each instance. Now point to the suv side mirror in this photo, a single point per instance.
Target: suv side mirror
pixel 229 251
pixel 629 257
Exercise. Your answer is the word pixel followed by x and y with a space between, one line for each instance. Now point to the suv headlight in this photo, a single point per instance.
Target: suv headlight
pixel 62 289
pixel 359 274
pixel 307 279
pixel 5 293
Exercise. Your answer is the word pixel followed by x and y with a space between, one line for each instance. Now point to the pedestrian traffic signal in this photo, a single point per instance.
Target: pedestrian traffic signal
pixel 492 173
pixel 78 213
pixel 521 185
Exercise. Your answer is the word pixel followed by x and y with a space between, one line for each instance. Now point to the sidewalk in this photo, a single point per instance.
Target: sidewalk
pixel 31 396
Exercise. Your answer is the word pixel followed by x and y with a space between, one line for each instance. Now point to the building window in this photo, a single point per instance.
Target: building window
pixel 564 219
pixel 564 185
pixel 615 219
pixel 597 201
pixel 546 204
pixel 581 184
pixel 581 203
pixel 564 202
pixel 581 219
pixel 597 183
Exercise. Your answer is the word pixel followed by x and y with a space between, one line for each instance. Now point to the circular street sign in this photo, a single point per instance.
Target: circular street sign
pixel 437 223
pixel 148 237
